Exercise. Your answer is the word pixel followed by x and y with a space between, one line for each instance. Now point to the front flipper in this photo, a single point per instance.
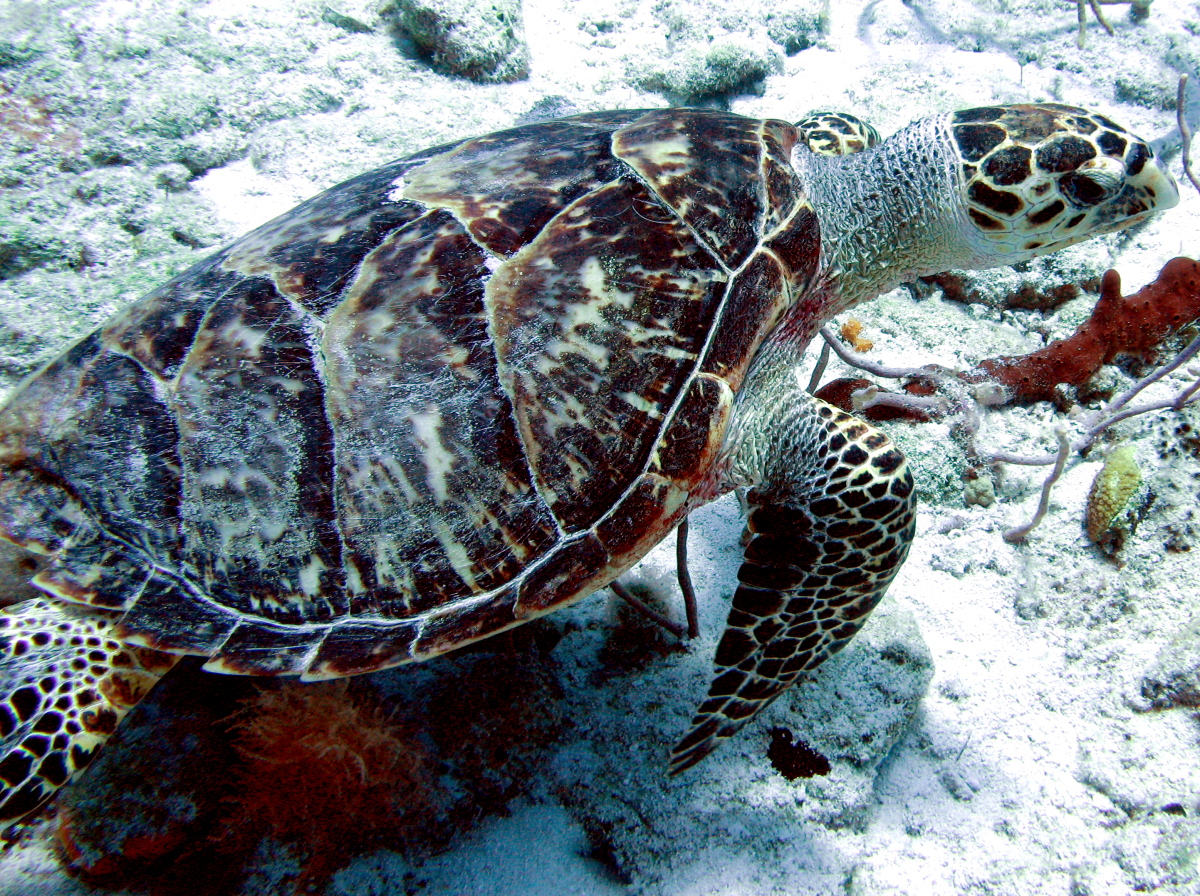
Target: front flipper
pixel 65 684
pixel 831 519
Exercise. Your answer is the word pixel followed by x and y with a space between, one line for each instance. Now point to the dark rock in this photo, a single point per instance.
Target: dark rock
pixel 795 760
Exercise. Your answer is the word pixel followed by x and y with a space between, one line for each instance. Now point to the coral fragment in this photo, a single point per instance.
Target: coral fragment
pixel 1112 490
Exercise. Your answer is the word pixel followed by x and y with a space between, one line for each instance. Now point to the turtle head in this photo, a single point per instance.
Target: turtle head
pixel 1038 178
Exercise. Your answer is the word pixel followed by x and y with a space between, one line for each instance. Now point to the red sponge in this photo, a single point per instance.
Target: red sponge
pixel 1129 325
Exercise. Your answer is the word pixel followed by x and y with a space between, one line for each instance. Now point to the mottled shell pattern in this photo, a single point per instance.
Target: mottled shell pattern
pixel 429 404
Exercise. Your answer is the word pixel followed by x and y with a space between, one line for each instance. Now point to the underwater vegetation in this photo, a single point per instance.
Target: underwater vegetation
pixel 1137 325
pixel 326 771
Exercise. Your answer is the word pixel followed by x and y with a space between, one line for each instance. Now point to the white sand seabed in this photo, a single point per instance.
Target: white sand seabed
pixel 1026 769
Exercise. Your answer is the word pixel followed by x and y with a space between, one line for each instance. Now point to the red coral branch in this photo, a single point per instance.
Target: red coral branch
pixel 1129 325
pixel 1119 325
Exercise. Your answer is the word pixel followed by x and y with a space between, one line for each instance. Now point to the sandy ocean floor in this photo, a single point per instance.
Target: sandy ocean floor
pixel 986 733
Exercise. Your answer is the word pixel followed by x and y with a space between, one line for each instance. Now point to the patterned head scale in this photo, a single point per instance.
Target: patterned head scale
pixel 836 133
pixel 1042 177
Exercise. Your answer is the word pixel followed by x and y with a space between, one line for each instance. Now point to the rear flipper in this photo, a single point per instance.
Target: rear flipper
pixel 65 685
pixel 831 520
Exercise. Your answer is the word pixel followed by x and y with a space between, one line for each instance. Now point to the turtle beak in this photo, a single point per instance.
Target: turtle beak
pixel 1166 188
pixel 1155 186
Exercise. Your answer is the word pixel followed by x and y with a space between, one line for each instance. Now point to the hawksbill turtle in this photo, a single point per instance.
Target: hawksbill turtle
pixel 460 391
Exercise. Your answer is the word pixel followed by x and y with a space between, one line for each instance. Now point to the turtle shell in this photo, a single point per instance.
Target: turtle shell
pixel 431 403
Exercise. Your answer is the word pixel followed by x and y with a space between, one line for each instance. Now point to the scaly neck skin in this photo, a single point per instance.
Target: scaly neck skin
pixel 889 214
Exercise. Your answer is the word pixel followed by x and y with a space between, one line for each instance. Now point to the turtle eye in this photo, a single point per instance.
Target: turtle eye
pixel 1093 182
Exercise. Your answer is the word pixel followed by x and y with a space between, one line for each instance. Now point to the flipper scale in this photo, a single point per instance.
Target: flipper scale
pixel 65 685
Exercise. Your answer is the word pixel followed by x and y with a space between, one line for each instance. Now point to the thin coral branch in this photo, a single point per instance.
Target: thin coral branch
pixel 874 397
pixel 685 580
pixel 856 360
pixel 1100 17
pixel 1020 460
pixel 1141 8
pixel 967 402
pixel 919 407
pixel 1131 393
pixel 1184 131
pixel 1119 324
pixel 1060 464
pixel 642 607
pixel 1188 396
pixel 1115 412
pixel 819 368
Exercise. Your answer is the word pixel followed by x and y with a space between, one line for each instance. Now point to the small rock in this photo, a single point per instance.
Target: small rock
pixel 481 41
pixel 1152 89
pixel 714 51
pixel 1131 772
pixel 1030 604
pixel 347 23
pixel 729 65
pixel 17 567
pixel 979 491
pixel 1159 854
pixel 547 109
pixel 960 787
pixel 1103 385
pixel 158 784
pixel 861 700
pixel 173 177
pixel 795 760
pixel 797 25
